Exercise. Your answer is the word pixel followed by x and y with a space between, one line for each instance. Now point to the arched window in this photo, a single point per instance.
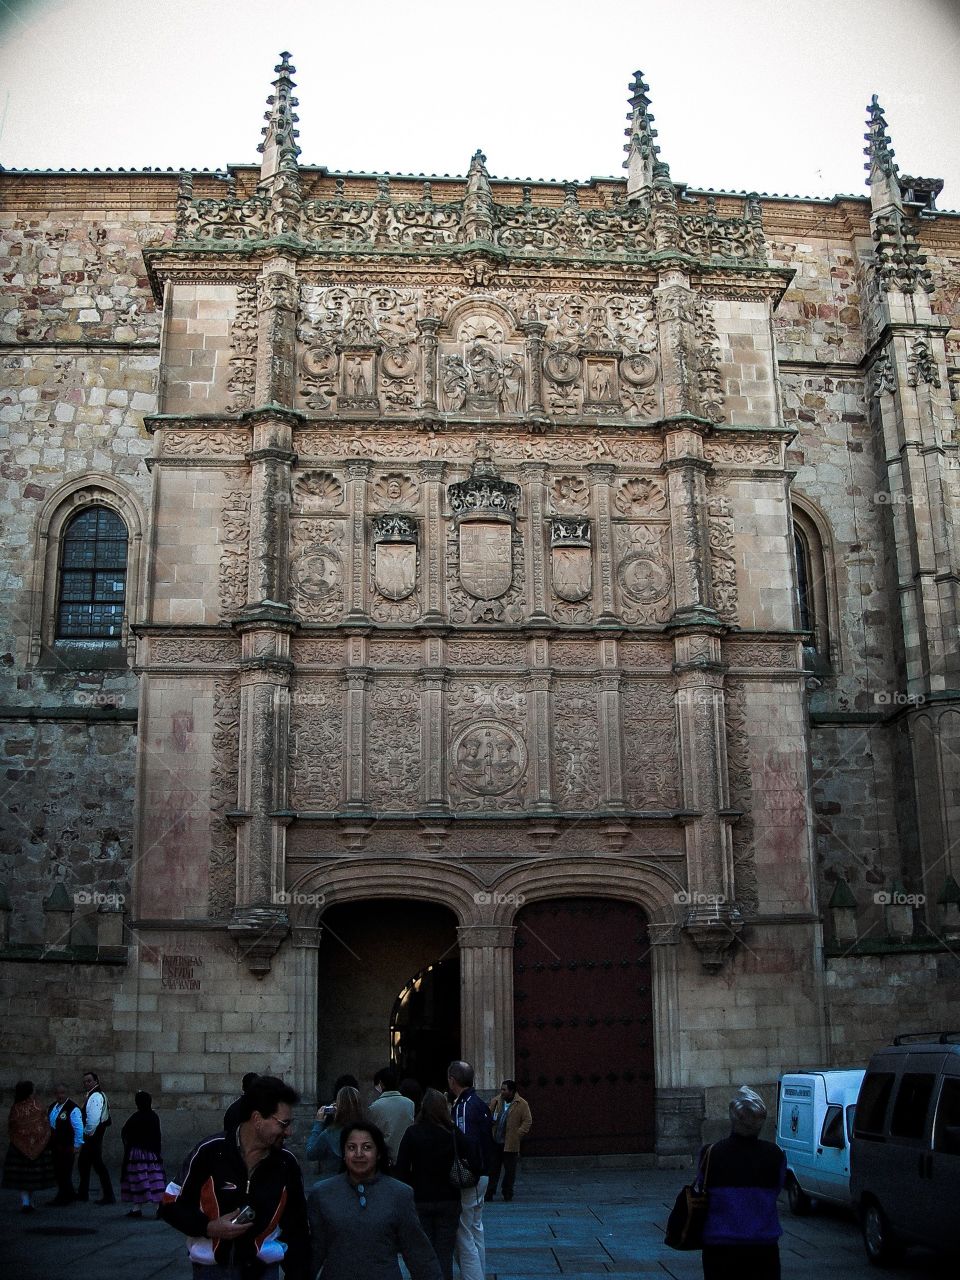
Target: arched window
pixel 815 585
pixel 92 582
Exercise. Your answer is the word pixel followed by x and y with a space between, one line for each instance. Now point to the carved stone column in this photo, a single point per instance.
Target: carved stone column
pixel 270 459
pixel 486 1001
pixel 276 332
pixel 611 732
pixel 306 941
pixel 712 918
pixel 356 584
pixel 355 725
pixel 675 304
pixel 687 470
pixel 428 327
pixel 434 542
pixel 432 730
pixel 534 331
pixel 602 474
pixel 534 475
pixel 538 702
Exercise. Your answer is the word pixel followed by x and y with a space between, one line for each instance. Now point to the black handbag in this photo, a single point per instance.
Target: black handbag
pixel 461 1175
pixel 689 1213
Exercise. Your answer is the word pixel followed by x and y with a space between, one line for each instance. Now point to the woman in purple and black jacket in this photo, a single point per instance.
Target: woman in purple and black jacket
pixel 744 1178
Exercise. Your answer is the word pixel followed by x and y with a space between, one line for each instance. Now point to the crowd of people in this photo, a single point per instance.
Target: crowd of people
pixel 405 1177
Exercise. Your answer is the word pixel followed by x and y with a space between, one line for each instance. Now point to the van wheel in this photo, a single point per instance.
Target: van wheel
pixel 879 1241
pixel 800 1203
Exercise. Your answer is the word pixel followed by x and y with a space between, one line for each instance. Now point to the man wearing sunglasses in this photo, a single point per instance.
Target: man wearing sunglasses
pixel 241 1200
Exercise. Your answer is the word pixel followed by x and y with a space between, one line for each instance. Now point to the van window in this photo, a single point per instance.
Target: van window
pixel 831 1135
pixel 947 1135
pixel 913 1101
pixel 872 1104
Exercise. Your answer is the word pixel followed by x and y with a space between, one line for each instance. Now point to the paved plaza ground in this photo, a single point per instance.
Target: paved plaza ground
pixel 588 1224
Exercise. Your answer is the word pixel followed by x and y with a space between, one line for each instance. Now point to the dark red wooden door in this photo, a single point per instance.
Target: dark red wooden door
pixel 584 1026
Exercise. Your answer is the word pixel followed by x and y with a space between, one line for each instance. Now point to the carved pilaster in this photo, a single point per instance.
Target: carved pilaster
pixel 611 742
pixel 534 330
pixel 535 475
pixel 428 327
pixel 486 1001
pixel 433 738
pixel 306 942
pixel 271 459
pixel 603 475
pixel 711 916
pixel 276 333
pixel 357 578
pixel 676 309
pixel 689 533
pixel 355 746
pixel 538 709
pixel 435 541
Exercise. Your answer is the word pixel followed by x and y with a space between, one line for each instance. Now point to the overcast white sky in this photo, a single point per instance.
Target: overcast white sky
pixel 747 94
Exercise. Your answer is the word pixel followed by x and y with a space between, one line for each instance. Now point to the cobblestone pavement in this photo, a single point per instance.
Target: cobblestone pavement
pixel 587 1224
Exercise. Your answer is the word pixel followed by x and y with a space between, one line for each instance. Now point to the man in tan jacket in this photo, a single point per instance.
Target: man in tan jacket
pixel 511 1123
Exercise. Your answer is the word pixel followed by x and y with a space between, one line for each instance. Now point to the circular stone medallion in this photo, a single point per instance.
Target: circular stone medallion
pixel 489 758
pixel 643 578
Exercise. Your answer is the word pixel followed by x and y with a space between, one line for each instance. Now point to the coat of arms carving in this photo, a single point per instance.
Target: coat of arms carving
pixel 395 539
pixel 486 560
pixel 571 558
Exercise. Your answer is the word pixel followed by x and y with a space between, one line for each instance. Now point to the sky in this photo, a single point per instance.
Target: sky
pixel 765 95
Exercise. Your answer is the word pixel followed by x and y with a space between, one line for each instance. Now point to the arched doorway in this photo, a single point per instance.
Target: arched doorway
pixel 425 1038
pixel 584 1026
pixel 370 952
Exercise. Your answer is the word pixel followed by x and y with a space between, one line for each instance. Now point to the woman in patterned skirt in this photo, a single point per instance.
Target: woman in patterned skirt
pixel 142 1179
pixel 28 1166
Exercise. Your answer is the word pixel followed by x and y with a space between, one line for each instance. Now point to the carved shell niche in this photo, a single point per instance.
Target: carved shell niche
pixel 396 491
pixel 318 489
pixel 640 495
pixel 570 493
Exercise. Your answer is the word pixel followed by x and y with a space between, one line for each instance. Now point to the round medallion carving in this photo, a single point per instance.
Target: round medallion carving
pixel 317 574
pixel 562 367
pixel 489 758
pixel 638 370
pixel 318 362
pixel 643 578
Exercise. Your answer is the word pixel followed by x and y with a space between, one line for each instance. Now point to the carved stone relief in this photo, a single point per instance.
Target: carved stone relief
pixel 487 754
pixel 394 762
pixel 576 745
pixel 641 496
pixel 395 567
pixel 318 490
pixel 192 651
pixel 241 383
pixel 652 755
pixel 234 552
pixel 723 564
pixel 395 491
pixel 317 568
pixel 486 653
pixel 741 792
pixel 643 575
pixel 459 447
pixel 225 747
pixel 316 742
pixel 203 444
pixel 569 494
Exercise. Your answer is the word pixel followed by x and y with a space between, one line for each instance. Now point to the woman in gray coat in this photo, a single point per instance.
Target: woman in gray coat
pixel 361 1220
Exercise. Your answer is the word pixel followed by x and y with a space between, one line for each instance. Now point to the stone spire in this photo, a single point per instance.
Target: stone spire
pixel 883 179
pixel 641 163
pixel 279 146
pixel 478 201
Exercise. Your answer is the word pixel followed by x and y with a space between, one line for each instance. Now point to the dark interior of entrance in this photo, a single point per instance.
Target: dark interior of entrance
pixel 388 990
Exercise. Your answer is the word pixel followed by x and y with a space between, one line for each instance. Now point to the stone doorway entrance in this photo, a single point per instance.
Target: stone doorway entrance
pixel 371 952
pixel 584 1026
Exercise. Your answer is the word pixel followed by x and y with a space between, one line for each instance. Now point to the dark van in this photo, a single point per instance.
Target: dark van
pixel 905 1154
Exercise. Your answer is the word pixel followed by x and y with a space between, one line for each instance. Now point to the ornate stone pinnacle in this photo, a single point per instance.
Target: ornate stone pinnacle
pixel 478 201
pixel 642 151
pixel 279 146
pixel 880 166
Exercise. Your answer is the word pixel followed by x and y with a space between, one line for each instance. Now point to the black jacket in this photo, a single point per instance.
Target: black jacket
pixel 472 1117
pixel 425 1159
pixel 216 1182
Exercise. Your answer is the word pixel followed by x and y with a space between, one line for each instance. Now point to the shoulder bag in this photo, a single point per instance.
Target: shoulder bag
pixel 689 1213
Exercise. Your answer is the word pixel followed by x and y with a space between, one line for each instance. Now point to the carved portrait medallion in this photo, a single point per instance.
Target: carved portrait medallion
pixel 643 578
pixel 638 370
pixel 486 562
pixel 317 574
pixel 489 758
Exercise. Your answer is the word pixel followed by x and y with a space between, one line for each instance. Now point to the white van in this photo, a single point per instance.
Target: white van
pixel 814 1128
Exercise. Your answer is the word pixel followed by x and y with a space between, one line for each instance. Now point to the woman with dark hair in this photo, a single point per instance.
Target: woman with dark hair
pixel 425 1159
pixel 142 1178
pixel 323 1141
pixel 362 1220
pixel 28 1166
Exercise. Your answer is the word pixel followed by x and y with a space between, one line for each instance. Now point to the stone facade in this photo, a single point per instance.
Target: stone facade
pixel 488 543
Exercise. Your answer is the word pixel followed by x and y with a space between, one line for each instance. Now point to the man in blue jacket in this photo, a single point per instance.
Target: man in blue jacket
pixel 472 1117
